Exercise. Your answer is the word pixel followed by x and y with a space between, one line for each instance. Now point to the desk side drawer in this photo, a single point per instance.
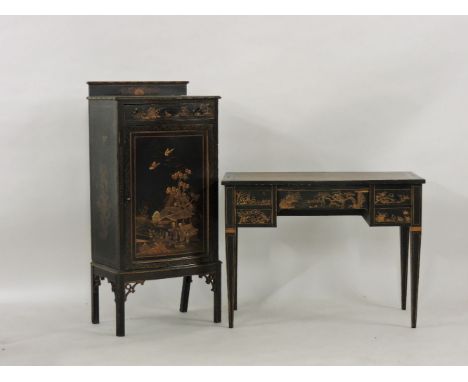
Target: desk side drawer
pixel 340 199
pixel 393 197
pixel 255 206
pixel 392 215
pixel 248 197
pixel 255 217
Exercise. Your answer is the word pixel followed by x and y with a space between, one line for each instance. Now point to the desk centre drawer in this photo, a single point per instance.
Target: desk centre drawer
pixel 340 199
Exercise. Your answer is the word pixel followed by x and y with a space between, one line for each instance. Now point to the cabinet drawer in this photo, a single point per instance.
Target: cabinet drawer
pixel 392 216
pixel 247 197
pixel 255 217
pixel 396 197
pixel 323 199
pixel 176 111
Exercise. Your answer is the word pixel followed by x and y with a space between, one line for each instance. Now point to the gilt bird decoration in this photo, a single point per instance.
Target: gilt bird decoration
pixel 168 152
pixel 153 165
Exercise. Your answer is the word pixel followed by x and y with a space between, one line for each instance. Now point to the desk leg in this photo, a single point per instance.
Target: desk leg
pixel 415 257
pixel 231 249
pixel 217 294
pixel 235 272
pixel 404 242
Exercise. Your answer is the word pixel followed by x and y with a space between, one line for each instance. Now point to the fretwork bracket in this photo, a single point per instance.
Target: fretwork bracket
pixel 209 279
pixel 130 287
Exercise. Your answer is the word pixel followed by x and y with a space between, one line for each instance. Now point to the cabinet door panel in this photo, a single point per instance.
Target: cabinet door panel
pixel 169 179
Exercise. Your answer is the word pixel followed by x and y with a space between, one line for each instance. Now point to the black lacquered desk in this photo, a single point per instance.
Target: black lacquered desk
pixel 383 199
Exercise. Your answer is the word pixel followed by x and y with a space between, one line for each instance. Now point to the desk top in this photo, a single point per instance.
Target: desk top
pixel 272 178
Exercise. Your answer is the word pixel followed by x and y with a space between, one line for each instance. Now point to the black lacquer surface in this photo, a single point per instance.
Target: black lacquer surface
pixel 154 189
pixel 383 199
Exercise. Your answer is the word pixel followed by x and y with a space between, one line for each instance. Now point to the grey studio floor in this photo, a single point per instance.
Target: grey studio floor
pixel 316 333
pixel 328 304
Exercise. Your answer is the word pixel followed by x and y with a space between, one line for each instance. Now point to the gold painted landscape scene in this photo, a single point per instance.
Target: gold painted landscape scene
pixel 168 219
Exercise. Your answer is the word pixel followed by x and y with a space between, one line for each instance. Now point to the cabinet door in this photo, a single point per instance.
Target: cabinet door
pixel 168 185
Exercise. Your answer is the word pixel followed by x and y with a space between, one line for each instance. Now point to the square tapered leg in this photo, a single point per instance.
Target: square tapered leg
pixel 404 249
pixel 415 260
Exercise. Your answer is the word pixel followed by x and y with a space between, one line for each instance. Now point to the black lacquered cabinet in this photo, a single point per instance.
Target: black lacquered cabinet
pixel 154 193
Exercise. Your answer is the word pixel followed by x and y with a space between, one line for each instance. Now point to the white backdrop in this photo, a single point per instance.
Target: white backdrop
pixel 298 94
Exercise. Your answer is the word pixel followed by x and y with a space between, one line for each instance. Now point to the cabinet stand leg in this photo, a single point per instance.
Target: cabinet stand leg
pixel 95 282
pixel 119 290
pixel 184 298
